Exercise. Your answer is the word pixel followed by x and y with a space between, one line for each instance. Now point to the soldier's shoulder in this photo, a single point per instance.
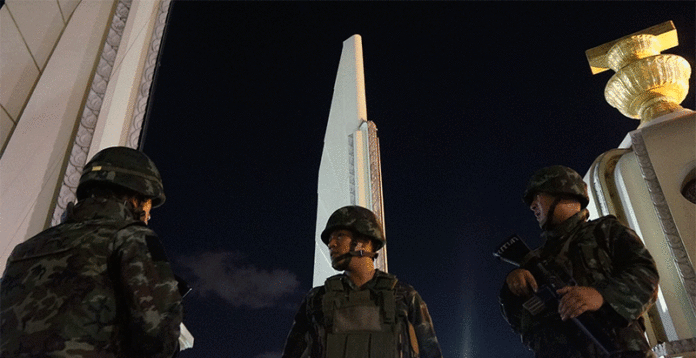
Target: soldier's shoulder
pixel 314 297
pixel 135 226
pixel 610 224
pixel 315 292
pixel 385 275
pixel 133 229
pixel 54 239
pixel 403 286
pixel 404 289
pixel 605 220
pixel 604 224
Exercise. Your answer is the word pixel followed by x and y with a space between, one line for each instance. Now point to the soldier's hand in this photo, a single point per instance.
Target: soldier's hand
pixel 576 300
pixel 521 282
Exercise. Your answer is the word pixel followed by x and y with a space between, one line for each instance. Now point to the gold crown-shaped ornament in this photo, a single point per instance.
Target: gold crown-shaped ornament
pixel 647 84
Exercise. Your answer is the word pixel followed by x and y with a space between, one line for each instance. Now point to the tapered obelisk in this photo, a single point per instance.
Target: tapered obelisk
pixel 350 171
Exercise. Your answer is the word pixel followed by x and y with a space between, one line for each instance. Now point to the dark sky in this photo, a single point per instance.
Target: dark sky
pixel 469 99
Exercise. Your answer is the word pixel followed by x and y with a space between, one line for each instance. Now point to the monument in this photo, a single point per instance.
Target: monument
pixel 350 170
pixel 76 78
pixel 649 182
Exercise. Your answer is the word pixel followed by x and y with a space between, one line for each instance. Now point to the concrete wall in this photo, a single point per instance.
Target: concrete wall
pixel 29 33
pixel 641 184
pixel 48 110
pixel 67 92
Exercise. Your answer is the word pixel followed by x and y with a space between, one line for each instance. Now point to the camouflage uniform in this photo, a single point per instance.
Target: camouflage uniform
pixel 97 285
pixel 602 254
pixel 308 336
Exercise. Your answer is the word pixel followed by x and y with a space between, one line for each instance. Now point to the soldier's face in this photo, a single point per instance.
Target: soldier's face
pixel 339 244
pixel 540 206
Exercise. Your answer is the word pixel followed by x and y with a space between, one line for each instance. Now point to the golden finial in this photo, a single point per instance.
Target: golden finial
pixel 646 84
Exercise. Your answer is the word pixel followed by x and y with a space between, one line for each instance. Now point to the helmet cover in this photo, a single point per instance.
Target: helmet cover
pixel 127 168
pixel 557 180
pixel 356 219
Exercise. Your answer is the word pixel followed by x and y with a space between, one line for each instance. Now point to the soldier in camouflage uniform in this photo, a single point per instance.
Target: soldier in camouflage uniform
pixel 98 284
pixel 364 312
pixel 615 275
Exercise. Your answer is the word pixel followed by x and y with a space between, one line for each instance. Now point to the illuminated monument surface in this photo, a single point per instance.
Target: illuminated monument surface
pixel 649 181
pixel 59 111
pixel 350 171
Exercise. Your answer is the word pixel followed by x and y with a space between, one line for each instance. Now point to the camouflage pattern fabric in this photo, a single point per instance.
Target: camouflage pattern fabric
pixel 127 168
pixel 602 254
pixel 556 180
pixel 307 337
pixel 357 219
pixel 98 285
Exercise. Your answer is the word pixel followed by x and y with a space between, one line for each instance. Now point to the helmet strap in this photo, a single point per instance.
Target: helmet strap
pixel 360 253
pixel 363 253
pixel 339 264
pixel 549 216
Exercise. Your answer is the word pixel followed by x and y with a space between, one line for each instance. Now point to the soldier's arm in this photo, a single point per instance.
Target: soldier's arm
pixel 419 317
pixel 632 286
pixel 149 289
pixel 298 340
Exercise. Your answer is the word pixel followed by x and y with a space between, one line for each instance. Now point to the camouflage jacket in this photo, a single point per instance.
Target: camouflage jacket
pixel 307 337
pixel 97 285
pixel 605 255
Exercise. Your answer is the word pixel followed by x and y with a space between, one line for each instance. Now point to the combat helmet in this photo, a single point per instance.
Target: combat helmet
pixel 557 180
pixel 358 220
pixel 127 168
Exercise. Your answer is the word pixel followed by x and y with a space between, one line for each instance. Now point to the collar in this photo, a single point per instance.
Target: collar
pixel 368 285
pixel 99 209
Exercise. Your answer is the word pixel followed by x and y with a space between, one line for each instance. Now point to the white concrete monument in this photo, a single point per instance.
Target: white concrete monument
pixel 76 78
pixel 649 182
pixel 350 171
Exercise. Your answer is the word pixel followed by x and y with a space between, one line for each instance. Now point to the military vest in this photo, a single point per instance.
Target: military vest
pixel 361 323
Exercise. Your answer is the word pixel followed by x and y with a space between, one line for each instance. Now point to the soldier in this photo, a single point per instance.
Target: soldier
pixel 98 284
pixel 615 275
pixel 364 312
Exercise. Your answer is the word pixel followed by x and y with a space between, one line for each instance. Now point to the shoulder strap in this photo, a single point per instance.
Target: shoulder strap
pixel 385 287
pixel 332 298
pixel 333 283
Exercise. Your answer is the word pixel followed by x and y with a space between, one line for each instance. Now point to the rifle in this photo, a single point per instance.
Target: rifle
pixel 516 252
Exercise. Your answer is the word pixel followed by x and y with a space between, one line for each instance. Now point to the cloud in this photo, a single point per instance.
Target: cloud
pixel 226 275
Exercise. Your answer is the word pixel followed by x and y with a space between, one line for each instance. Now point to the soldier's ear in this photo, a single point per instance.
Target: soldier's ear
pixel 364 243
pixel 370 246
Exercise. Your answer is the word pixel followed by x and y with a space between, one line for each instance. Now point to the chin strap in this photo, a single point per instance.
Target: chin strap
pixel 337 263
pixel 549 216
pixel 363 253
pixel 358 253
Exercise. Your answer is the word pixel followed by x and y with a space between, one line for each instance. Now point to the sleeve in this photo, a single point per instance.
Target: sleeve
pixel 631 287
pixel 297 341
pixel 511 308
pixel 149 293
pixel 419 317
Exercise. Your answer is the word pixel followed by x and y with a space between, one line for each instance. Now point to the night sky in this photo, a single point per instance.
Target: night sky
pixel 469 100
